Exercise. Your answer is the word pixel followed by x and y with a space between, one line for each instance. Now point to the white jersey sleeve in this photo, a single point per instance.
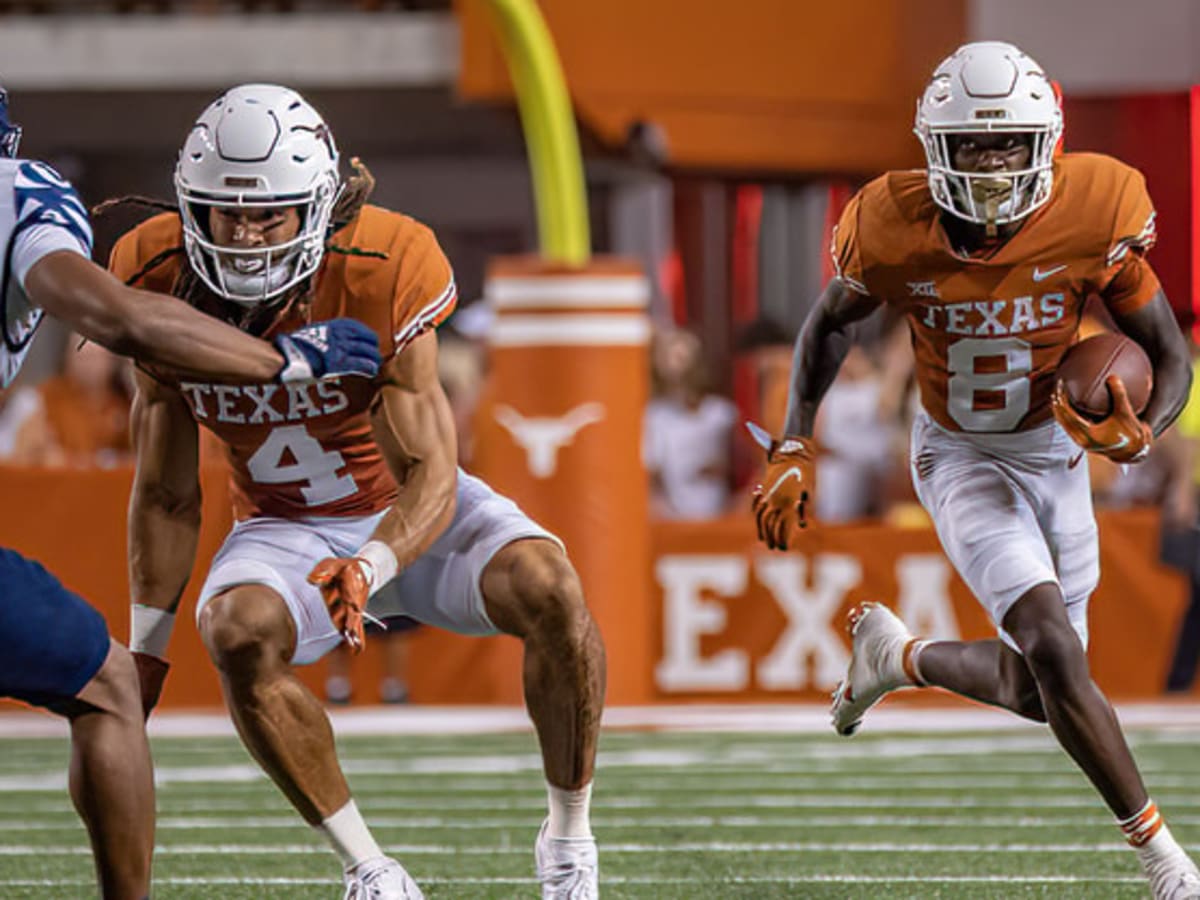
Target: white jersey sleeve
pixel 40 213
pixel 47 216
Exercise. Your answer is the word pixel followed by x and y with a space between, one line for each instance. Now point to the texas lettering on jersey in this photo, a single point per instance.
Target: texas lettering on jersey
pixel 231 404
pixel 988 332
pixel 994 318
pixel 303 450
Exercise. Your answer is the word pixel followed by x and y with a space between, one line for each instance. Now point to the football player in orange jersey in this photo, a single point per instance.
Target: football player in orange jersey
pixel 990 254
pixel 55 649
pixel 351 479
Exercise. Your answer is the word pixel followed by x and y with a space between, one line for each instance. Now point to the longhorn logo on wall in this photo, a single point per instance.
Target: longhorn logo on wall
pixel 542 437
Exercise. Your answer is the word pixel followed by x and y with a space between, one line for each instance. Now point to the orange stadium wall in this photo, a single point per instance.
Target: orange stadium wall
pixel 760 86
pixel 724 620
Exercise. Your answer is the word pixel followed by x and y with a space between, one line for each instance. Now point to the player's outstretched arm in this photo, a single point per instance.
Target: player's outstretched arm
pixel 164 524
pixel 166 331
pixel 782 500
pixel 1155 328
pixel 414 429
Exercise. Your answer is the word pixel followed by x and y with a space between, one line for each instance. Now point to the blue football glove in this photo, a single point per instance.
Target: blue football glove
pixel 336 347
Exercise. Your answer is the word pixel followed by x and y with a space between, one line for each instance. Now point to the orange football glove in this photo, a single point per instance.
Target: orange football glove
pixel 781 501
pixel 1122 436
pixel 343 583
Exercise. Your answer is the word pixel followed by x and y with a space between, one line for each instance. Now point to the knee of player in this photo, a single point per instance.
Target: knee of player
pixel 546 596
pixel 114 688
pixel 1055 651
pixel 242 629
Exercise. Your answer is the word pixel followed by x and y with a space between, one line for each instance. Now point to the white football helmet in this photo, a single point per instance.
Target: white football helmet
pixel 989 86
pixel 258 145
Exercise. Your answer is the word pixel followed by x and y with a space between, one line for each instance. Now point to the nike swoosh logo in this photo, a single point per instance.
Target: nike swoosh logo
pixel 1039 275
pixel 790 472
pixel 1074 462
pixel 1117 446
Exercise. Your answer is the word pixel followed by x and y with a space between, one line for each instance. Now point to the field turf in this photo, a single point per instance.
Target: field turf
pixel 679 814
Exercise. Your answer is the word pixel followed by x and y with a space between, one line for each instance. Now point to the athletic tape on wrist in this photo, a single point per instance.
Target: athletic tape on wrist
pixel 380 563
pixel 150 629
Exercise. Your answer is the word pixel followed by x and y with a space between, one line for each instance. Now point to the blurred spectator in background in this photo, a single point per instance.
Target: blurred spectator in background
pixel 18 404
pixel 687 434
pixel 855 446
pixel 82 414
pixel 768 346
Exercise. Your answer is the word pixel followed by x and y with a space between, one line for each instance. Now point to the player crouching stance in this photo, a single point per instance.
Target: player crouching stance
pixel 349 479
pixel 990 254
pixel 55 650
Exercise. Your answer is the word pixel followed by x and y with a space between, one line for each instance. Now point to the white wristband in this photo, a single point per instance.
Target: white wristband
pixel 381 564
pixel 150 629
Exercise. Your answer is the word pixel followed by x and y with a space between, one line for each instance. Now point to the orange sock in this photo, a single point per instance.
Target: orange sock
pixel 908 660
pixel 1142 825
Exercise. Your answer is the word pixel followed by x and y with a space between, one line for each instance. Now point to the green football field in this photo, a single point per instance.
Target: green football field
pixel 892 814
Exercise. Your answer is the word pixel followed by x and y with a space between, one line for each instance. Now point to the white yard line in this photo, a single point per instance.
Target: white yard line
pixel 609 848
pixel 782 718
pixel 638 880
pixel 604 822
pixel 372 805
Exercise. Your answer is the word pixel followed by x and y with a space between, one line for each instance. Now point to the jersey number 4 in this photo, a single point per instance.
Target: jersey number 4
pixel 1007 387
pixel 291 455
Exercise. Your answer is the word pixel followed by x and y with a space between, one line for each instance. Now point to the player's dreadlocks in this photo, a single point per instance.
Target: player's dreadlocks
pixel 189 287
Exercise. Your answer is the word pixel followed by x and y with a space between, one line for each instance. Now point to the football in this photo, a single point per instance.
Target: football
pixel 1086 365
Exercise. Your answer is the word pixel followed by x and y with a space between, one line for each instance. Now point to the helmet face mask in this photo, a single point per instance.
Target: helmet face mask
pixel 253 275
pixel 10 134
pixel 257 147
pixel 989 87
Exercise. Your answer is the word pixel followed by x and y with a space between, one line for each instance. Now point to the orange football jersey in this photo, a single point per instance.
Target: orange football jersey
pixel 301 450
pixel 988 331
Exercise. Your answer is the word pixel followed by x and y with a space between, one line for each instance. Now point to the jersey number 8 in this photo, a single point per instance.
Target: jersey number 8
pixel 966 382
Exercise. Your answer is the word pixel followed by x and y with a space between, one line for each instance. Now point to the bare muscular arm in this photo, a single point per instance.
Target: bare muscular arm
pixel 1154 327
pixel 414 428
pixel 153 328
pixel 820 348
pixel 164 507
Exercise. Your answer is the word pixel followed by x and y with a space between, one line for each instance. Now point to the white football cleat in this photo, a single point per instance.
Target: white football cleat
pixel 1174 878
pixel 876 665
pixel 381 878
pixel 568 868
